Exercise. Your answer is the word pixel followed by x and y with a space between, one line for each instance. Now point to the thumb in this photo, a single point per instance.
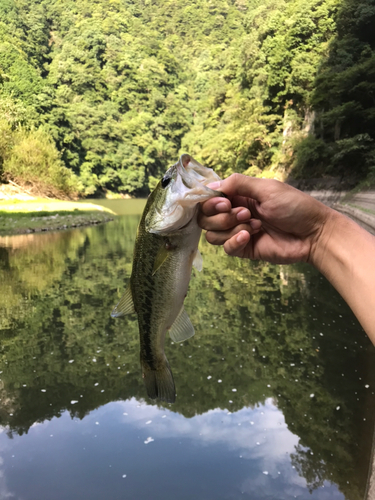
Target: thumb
pixel 242 185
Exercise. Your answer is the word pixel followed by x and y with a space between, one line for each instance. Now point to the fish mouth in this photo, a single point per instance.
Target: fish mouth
pixel 192 172
pixel 188 189
pixel 184 160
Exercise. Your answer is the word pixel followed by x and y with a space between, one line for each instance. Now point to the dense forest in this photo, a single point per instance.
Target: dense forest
pixel 100 96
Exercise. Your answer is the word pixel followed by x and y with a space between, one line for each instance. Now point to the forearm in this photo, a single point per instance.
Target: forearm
pixel 345 255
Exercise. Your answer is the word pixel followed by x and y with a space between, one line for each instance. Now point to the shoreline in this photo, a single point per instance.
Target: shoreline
pixel 24 214
pixel 49 224
pixel 41 215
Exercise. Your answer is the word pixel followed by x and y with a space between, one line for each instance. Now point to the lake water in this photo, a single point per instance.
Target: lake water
pixel 275 392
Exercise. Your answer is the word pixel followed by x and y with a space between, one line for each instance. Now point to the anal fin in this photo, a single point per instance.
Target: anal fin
pixel 182 329
pixel 125 306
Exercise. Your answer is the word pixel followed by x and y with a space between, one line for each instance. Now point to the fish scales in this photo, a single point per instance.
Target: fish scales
pixel 157 290
pixel 165 248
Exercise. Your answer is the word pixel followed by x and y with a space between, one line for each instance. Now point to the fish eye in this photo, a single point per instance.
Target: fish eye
pixel 165 181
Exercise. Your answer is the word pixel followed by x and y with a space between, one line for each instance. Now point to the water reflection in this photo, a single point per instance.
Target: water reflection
pixel 275 346
pixel 131 433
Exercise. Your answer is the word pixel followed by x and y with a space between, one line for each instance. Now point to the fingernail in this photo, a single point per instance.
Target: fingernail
pixel 241 238
pixel 221 207
pixel 214 185
pixel 243 215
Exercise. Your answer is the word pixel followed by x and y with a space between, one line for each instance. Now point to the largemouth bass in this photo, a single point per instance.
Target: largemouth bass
pixel 165 250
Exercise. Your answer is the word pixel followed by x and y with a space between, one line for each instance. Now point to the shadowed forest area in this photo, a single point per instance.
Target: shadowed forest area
pixel 101 96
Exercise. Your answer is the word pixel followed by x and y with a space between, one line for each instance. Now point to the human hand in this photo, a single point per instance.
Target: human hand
pixel 264 219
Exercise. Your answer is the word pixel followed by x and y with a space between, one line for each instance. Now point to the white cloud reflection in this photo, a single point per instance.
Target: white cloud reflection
pixel 254 443
pixel 259 432
pixel 4 491
pixel 259 435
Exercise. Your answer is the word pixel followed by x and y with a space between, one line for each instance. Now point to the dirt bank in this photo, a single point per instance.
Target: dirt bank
pixel 21 213
pixel 37 223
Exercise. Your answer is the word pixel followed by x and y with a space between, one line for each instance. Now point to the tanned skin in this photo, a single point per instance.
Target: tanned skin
pixel 265 219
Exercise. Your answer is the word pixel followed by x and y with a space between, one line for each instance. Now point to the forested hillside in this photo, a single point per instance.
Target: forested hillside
pixel 103 95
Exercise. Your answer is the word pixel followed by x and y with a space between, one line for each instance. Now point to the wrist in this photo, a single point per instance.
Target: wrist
pixel 326 245
pixel 345 254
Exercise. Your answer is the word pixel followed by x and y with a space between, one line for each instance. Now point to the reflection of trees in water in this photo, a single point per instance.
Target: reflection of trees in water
pixel 309 467
pixel 30 263
pixel 258 330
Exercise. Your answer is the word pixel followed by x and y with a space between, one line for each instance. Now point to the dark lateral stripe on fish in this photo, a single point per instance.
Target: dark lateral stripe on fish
pixel 149 295
pixel 146 345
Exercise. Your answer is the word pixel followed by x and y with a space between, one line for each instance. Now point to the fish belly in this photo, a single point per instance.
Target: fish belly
pixel 160 303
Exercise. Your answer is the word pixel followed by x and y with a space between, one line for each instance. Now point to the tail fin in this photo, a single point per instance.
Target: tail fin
pixel 159 383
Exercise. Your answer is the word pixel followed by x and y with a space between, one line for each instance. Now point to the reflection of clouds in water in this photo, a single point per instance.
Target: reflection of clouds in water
pixel 251 447
pixel 294 486
pixel 35 424
pixel 255 432
pixel 258 435
pixel 4 492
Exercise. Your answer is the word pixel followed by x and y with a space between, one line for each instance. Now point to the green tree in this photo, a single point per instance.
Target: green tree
pixel 343 95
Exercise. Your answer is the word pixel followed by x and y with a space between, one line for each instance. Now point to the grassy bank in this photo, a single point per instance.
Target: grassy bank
pixel 18 217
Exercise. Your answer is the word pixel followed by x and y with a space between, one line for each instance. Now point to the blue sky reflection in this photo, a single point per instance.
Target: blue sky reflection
pixel 134 450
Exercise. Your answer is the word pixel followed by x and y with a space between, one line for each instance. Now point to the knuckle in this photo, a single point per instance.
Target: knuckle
pixel 202 220
pixel 229 246
pixel 212 238
pixel 222 222
pixel 228 250
pixel 209 237
pixel 205 207
pixel 235 178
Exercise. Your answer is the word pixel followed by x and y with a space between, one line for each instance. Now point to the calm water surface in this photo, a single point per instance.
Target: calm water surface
pixel 275 392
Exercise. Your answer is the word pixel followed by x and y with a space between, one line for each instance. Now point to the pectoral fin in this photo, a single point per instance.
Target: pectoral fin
pixel 198 261
pixel 125 306
pixel 160 258
pixel 182 329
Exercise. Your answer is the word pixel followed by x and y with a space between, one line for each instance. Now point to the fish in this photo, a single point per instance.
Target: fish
pixel 165 250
